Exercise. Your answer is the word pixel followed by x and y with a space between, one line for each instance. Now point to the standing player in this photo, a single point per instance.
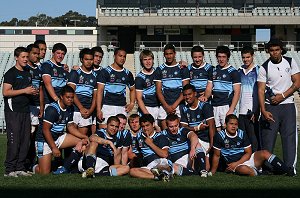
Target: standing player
pixel 50 136
pixel 98 55
pixel 43 49
pixel 198 116
pixel 199 70
pixel 224 85
pixel 145 86
pixel 248 107
pixel 84 82
pixel 111 93
pixel 234 146
pixel 16 91
pixel 282 75
pixel 169 80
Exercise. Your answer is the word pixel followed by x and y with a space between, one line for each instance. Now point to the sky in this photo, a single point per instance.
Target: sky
pixel 23 9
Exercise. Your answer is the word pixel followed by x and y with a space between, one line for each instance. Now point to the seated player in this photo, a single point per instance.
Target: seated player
pixel 99 158
pixel 181 153
pixel 154 148
pixel 51 137
pixel 234 146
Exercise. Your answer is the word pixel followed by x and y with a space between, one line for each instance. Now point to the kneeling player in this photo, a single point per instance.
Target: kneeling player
pixel 99 157
pixel 154 148
pixel 233 144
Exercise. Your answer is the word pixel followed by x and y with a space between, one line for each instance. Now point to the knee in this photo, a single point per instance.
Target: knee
pixel 265 154
pixel 132 172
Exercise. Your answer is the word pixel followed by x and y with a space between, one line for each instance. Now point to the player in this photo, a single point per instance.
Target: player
pixel 169 80
pixel 43 49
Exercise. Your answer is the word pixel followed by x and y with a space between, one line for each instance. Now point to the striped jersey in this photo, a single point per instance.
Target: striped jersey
pixel 199 76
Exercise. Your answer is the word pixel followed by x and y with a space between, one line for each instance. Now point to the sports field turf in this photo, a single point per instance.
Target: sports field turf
pixel 220 185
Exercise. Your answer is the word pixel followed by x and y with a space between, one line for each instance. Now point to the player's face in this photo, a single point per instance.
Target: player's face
pixel 87 61
pixel 247 59
pixel 43 49
pixel 122 124
pixel 113 127
pixel 134 124
pixel 275 53
pixel 173 126
pixel 34 55
pixel 97 58
pixel 68 99
pixel 189 96
pixel 22 59
pixel 148 62
pixel 120 58
pixel 232 126
pixel 59 56
pixel 169 56
pixel 222 59
pixel 147 127
pixel 197 58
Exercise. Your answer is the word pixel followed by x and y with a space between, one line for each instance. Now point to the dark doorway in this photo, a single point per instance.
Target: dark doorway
pixel 40 37
pixel 126 37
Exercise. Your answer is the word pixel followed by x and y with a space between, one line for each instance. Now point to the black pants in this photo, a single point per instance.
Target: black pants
pixel 249 127
pixel 18 140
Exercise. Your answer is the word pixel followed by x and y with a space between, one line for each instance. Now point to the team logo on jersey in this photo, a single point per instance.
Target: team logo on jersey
pixel 175 73
pixel 140 143
pixel 123 78
pixel 148 83
pixel 238 143
pixel 191 74
pixel 29 78
pixel 164 73
pixel 287 70
pixel 81 79
pixel 226 142
pixel 178 139
pixel 224 76
pixel 112 78
pixel 91 81
pixel 198 116
pixel 214 73
pixel 60 118
pixel 188 116
pixel 55 72
pixel 31 73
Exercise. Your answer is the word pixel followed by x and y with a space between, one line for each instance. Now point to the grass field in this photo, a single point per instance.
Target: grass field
pixel 220 185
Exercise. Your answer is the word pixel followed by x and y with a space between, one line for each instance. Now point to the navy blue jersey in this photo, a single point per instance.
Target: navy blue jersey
pixel 18 80
pixel 85 86
pixel 149 155
pixel 58 118
pixel 232 147
pixel 98 70
pixel 171 78
pixel 223 80
pixel 193 117
pixel 144 82
pixel 126 138
pixel 134 143
pixel 59 78
pixel 178 143
pixel 199 76
pixel 115 83
pixel 36 76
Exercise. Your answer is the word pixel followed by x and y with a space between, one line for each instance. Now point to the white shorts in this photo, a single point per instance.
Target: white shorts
pixel 42 148
pixel 250 163
pixel 183 161
pixel 220 115
pixel 158 162
pixel 80 121
pixel 154 111
pixel 205 146
pixel 34 114
pixel 162 114
pixel 100 164
pixel 109 110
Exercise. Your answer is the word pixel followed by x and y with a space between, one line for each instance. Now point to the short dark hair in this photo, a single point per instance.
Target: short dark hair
pixel 31 46
pixel 66 89
pixel 169 47
pixel 247 49
pixel 122 116
pixel 197 48
pixel 116 51
pixel 97 49
pixel 37 42
pixel 172 117
pixel 230 117
pixel 276 42
pixel 59 46
pixel 132 117
pixel 85 51
pixel 223 49
pixel 112 118
pixel 189 86
pixel 146 118
pixel 19 50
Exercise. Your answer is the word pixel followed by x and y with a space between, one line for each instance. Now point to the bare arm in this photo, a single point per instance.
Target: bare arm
pixel 235 99
pixel 161 97
pixel 42 103
pixel 163 153
pixel 245 157
pixel 94 104
pixel 130 106
pixel 295 86
pixel 139 98
pixel 99 98
pixel 49 139
pixel 74 131
pixel 49 87
pixel 124 159
pixel 9 92
pixel 208 92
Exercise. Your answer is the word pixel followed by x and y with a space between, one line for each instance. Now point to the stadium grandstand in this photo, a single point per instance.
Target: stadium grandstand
pixel 143 24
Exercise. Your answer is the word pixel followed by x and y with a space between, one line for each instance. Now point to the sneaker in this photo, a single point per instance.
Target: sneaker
pixel 165 176
pixel 23 173
pixel 60 170
pixel 209 174
pixel 90 173
pixel 156 172
pixel 203 173
pixel 83 175
pixel 11 174
pixel 291 173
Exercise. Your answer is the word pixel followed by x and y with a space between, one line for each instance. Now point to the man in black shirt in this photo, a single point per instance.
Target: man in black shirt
pixel 17 88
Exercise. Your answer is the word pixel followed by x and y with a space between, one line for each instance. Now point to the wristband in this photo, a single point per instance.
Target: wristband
pixel 283 95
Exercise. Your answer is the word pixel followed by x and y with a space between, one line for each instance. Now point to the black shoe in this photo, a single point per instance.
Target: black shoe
pixel 291 173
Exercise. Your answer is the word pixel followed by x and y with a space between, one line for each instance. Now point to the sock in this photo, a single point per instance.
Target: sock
pixel 187 172
pixel 278 164
pixel 90 161
pixel 199 163
pixel 72 159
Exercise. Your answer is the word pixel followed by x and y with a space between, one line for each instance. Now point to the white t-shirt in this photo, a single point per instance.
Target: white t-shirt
pixel 279 77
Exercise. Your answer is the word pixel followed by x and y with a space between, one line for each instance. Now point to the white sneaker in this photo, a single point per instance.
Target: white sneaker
pixel 23 173
pixel 203 173
pixel 11 174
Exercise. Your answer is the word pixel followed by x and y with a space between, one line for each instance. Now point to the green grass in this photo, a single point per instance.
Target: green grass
pixel 220 185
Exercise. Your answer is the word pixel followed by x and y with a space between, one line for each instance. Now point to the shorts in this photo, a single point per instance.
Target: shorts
pixel 100 164
pixel 162 114
pixel 80 121
pixel 110 110
pixel 183 161
pixel 159 162
pixel 34 114
pixel 154 111
pixel 205 146
pixel 220 114
pixel 250 163
pixel 42 148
